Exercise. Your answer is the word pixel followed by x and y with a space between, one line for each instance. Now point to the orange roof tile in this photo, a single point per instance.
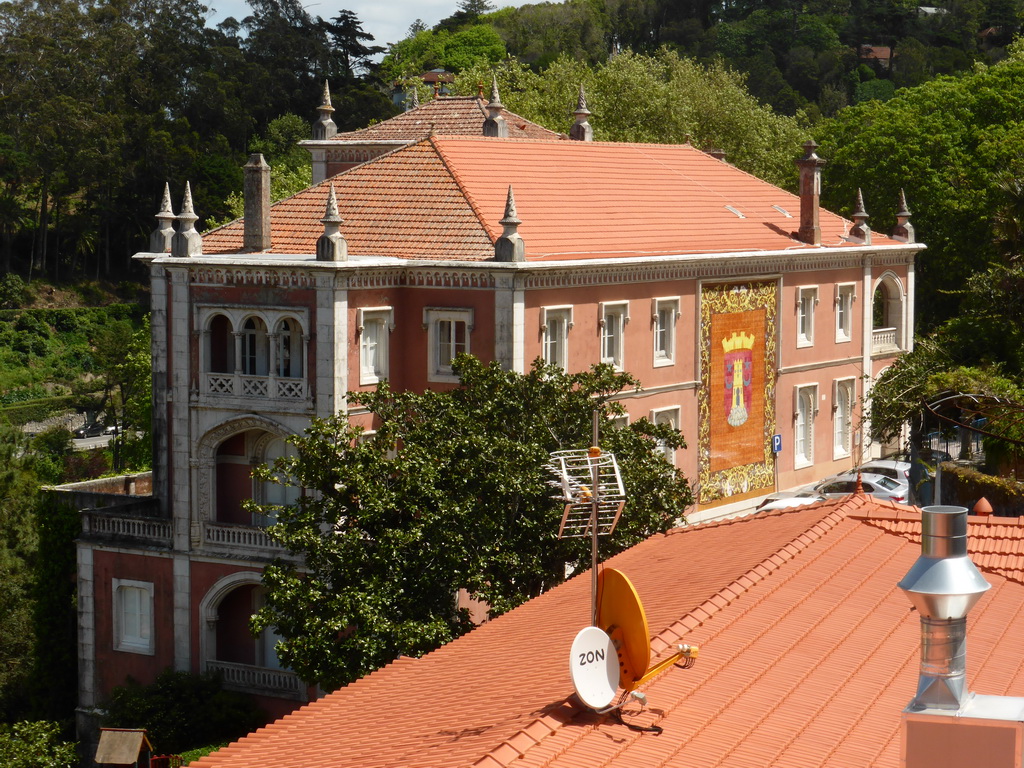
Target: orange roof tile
pixel 449 116
pixel 443 198
pixel 806 660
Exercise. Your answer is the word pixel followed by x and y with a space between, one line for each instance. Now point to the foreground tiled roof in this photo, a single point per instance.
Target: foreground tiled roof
pixel 442 198
pixel 448 116
pixel 809 653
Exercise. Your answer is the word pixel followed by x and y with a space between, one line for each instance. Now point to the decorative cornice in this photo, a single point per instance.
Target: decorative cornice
pixel 291 278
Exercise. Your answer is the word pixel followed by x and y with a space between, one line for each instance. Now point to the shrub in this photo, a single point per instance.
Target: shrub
pixel 35 744
pixel 964 486
pixel 182 711
pixel 13 292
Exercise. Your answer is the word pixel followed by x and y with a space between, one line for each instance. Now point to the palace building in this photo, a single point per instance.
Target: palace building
pixel 746 312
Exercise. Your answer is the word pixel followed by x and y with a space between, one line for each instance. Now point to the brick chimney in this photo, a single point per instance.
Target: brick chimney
pixel 256 236
pixel 581 129
pixel 810 194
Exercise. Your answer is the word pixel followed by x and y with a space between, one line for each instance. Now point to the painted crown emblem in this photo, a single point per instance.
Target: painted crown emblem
pixel 738 341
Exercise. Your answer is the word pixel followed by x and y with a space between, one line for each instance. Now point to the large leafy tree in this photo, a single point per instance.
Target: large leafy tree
pixel 949 143
pixel 450 492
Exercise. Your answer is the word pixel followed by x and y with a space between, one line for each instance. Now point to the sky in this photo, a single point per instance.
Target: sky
pixel 387 20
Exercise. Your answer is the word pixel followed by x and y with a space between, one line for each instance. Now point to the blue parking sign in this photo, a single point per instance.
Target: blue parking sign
pixel 776 443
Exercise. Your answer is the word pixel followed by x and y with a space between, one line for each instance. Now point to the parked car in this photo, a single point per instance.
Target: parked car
pixel 89 430
pixel 807 492
pixel 111 429
pixel 879 486
pixel 897 470
pixel 789 502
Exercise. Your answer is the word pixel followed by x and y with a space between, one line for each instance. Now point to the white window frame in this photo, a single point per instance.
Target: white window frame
pixel 669 415
pixel 620 422
pixel 555 324
pixel 611 323
pixel 842 424
pixel 806 303
pixel 383 318
pixel 805 409
pixel 664 333
pixel 846 295
pixel 141 639
pixel 438 369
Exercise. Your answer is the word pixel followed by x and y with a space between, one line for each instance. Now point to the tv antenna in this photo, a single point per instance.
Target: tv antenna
pixel 615 650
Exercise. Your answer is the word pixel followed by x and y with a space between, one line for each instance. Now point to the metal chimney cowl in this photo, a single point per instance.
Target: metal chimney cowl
pixel 943 585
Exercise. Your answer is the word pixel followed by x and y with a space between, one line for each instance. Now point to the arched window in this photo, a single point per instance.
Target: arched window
pixel 842 419
pixel 288 353
pixel 220 346
pixel 270 492
pixel 255 349
pixel 887 310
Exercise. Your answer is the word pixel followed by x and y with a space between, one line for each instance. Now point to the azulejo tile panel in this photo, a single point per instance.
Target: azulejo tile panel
pixel 736 399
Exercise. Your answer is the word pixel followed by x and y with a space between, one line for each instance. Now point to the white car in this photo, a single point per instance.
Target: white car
pixel 790 502
pixel 879 486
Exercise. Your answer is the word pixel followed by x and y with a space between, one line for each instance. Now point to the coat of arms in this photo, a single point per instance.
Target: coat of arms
pixel 739 368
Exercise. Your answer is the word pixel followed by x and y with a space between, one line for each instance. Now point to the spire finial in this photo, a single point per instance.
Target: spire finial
pixel 414 98
pixel 187 241
pixel 581 129
pixel 325 99
pixel 331 245
pixel 161 237
pixel 479 89
pixel 581 103
pixel 495 101
pixel 904 230
pixel 860 232
pixel 324 127
pixel 510 246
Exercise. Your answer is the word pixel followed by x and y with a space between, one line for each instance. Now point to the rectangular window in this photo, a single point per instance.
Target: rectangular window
pixel 374 325
pixel 555 325
pixel 669 417
pixel 844 311
pixel 807 300
pixel 448 333
pixel 613 319
pixel 842 417
pixel 133 616
pixel 805 409
pixel 663 318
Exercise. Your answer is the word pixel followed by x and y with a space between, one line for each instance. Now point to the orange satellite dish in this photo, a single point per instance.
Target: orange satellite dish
pixel 621 615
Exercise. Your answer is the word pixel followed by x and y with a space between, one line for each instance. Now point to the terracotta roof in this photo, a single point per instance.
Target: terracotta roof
pixel 442 198
pixel 809 653
pixel 450 116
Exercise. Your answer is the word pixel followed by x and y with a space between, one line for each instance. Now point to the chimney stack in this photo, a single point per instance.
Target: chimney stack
pixel 581 129
pixel 495 124
pixel 943 585
pixel 256 236
pixel 810 195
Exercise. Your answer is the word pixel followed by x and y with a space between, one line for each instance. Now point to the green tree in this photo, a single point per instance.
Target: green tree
pixel 949 143
pixel 451 492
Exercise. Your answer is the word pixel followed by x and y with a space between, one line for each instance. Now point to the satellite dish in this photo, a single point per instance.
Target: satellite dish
pixel 621 615
pixel 594 667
